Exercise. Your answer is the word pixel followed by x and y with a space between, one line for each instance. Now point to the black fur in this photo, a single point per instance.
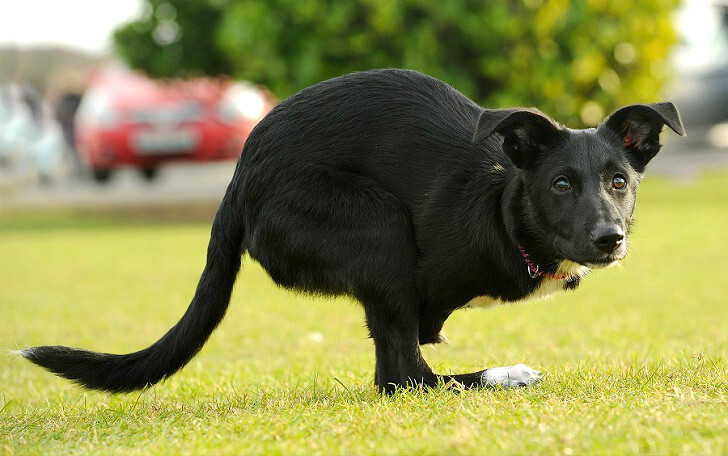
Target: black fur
pixel 392 187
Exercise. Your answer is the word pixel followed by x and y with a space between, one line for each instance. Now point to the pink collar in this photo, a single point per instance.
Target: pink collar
pixel 534 271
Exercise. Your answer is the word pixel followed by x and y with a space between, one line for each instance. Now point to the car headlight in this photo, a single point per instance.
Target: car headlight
pixel 241 102
pixel 97 108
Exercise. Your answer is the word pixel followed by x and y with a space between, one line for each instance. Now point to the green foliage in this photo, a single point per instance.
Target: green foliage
pixel 577 60
pixel 174 38
pixel 574 59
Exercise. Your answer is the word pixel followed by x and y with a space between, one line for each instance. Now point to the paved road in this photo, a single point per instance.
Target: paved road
pixel 202 184
pixel 678 162
pixel 186 183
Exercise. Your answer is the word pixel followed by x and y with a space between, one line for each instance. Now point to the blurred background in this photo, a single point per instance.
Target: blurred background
pixel 148 102
pixel 120 124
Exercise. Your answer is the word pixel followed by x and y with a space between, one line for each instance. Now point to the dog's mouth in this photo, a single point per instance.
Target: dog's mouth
pixel 600 264
pixel 591 259
pixel 606 261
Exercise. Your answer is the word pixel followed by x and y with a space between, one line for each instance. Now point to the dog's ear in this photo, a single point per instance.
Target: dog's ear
pixel 526 132
pixel 639 127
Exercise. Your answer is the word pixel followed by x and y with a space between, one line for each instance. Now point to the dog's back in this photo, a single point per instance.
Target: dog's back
pixel 401 128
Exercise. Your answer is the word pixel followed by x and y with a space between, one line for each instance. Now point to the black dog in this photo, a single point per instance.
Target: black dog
pixel 392 187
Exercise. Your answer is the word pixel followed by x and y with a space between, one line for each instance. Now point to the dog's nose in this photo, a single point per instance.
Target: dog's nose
pixel 608 237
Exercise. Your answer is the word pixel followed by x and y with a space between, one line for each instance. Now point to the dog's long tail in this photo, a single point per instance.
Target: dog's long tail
pixel 122 373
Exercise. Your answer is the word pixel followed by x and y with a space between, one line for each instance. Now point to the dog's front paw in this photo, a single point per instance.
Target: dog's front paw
pixel 511 376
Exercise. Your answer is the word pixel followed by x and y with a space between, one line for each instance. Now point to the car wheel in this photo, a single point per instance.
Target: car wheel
pixel 149 174
pixel 101 175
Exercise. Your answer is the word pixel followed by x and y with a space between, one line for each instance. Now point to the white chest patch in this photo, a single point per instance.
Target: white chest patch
pixel 546 288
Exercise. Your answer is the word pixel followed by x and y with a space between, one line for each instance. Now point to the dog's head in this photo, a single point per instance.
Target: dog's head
pixel 580 186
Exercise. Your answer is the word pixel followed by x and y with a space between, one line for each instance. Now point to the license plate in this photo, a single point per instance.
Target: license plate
pixel 163 142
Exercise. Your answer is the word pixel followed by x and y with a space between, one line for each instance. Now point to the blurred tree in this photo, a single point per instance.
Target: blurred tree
pixel 575 59
pixel 174 38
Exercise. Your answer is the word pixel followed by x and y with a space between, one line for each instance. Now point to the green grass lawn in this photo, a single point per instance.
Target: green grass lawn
pixel 635 359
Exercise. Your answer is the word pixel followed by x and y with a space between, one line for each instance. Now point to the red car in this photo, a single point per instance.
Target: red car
pixel 126 119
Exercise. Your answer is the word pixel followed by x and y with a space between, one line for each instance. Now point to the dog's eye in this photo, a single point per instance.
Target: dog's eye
pixel 561 184
pixel 619 182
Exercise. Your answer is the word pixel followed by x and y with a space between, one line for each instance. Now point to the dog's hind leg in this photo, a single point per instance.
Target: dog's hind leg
pixel 393 327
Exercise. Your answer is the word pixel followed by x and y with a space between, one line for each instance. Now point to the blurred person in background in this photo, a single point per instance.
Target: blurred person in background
pixel 66 113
